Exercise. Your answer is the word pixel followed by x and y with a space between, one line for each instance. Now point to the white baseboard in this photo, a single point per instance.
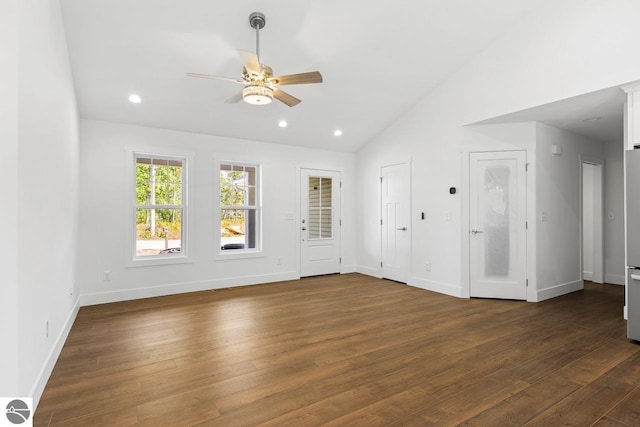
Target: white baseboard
pixel 52 358
pixel 614 279
pixel 558 290
pixel 180 288
pixel 442 288
pixel 345 269
pixel 587 275
pixel 369 271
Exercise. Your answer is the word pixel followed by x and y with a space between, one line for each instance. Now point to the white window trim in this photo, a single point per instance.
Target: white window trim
pixel 188 206
pixel 219 254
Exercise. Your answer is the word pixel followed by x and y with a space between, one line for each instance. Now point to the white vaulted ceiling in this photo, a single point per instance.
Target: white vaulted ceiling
pixel 378 58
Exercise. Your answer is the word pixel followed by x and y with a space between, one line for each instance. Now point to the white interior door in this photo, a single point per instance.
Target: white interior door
pixel 395 214
pixel 319 222
pixel 592 223
pixel 497 225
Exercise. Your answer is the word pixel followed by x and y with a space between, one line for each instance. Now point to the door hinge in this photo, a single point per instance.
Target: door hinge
pixel 526 167
pixel 340 260
pixel 526 225
pixel 380 179
pixel 527 283
pixel 380 264
pixel 380 222
pixel 340 222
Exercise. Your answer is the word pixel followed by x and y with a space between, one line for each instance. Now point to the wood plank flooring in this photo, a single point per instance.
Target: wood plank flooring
pixel 347 350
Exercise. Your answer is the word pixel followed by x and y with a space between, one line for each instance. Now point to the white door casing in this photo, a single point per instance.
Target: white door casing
pixel 395 193
pixel 319 222
pixel 497 225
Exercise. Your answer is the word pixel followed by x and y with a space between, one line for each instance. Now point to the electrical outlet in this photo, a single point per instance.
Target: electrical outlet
pixel 448 216
pixel 106 276
pixel 427 266
pixel 279 261
pixel 70 292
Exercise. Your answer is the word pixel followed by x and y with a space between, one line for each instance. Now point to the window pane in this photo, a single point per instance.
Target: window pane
pixel 238 192
pixel 158 181
pixel 232 188
pixel 158 231
pixel 237 229
pixel 251 174
pixel 325 223
pixel 320 209
pixel 314 192
pixel 496 220
pixel 143 189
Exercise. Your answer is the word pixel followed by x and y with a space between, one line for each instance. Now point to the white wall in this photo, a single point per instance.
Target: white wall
pixel 614 261
pixel 559 196
pixel 103 212
pixel 587 220
pixel 9 326
pixel 551 55
pixel 47 193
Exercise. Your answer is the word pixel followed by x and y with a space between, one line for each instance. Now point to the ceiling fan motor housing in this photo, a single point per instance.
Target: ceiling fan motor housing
pixel 257 20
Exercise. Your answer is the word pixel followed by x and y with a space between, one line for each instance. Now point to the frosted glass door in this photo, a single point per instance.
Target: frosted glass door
pixel 497 229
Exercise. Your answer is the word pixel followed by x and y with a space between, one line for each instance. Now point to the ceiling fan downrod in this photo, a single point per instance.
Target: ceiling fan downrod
pixel 257 20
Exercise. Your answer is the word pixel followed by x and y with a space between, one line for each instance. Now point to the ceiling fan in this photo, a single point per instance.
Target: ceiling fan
pixel 261 86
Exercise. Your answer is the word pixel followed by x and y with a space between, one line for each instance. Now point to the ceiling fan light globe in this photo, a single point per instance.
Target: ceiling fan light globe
pixel 257 95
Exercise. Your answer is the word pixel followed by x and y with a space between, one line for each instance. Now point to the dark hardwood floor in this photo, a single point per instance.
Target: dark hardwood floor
pixel 347 350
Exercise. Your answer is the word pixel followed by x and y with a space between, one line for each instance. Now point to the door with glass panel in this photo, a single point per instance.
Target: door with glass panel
pixel 497 225
pixel 319 222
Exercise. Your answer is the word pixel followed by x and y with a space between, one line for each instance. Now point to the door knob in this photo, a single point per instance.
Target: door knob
pixel 476 231
pixel 402 229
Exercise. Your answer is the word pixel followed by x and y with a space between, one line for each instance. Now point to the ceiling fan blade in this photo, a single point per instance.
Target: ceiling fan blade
pixel 207 76
pixel 285 98
pixel 234 99
pixel 250 61
pixel 297 79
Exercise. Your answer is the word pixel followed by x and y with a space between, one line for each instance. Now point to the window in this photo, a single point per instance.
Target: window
pixel 320 209
pixel 159 208
pixel 239 207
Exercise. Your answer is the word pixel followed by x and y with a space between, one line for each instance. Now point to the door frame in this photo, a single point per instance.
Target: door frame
pixel 465 223
pixel 598 218
pixel 298 212
pixel 409 165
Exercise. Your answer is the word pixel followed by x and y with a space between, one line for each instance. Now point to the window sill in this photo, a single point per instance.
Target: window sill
pixel 238 254
pixel 156 261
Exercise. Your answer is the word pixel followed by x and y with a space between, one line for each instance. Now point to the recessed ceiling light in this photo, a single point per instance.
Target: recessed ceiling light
pixel 338 132
pixel 282 123
pixel 135 99
pixel 592 119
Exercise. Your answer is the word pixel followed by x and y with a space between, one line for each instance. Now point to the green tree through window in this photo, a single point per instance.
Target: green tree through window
pixel 159 205
pixel 239 207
